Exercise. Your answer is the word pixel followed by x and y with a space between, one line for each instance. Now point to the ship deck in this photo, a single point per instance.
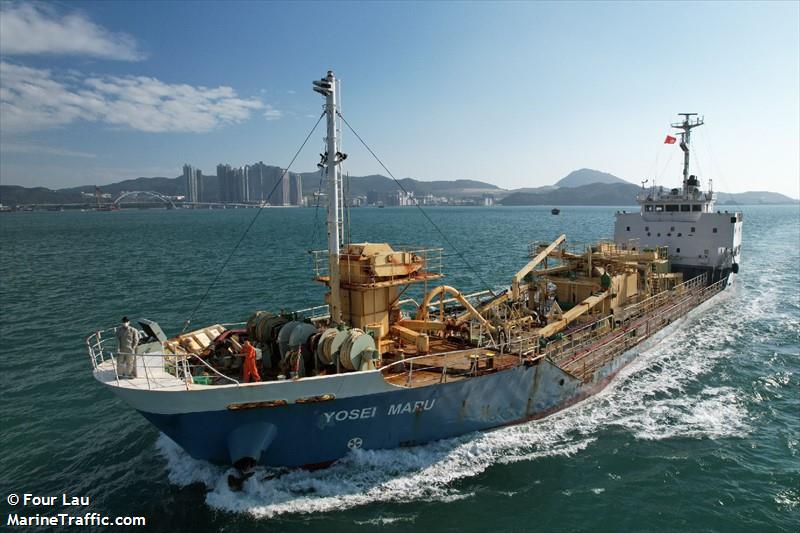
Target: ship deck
pixel 448 367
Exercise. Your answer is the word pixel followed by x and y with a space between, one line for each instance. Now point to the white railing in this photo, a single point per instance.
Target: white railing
pixel 422 363
pixel 432 261
pixel 184 367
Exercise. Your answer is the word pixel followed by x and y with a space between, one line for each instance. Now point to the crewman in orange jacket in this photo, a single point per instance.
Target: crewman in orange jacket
pixel 249 370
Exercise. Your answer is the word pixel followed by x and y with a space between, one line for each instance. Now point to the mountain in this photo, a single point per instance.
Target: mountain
pixel 585 176
pixel 19 195
pixel 754 198
pixel 590 194
pixel 535 190
pixel 167 186
pixel 356 186
pixel 625 194
pixel 362 185
pixel 581 187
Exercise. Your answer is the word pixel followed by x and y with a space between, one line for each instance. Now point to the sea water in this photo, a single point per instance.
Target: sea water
pixel 700 433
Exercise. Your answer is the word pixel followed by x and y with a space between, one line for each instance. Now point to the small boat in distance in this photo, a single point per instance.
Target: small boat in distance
pixel 555 211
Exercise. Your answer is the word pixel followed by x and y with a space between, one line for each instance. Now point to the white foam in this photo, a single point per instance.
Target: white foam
pixel 385 520
pixel 657 397
pixel 788 499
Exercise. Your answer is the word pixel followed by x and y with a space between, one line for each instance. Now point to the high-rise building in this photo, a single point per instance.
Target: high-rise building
pixel 243 184
pixel 194 183
pixel 198 176
pixel 259 183
pixel 223 177
pixel 264 186
pixel 283 177
pixel 296 189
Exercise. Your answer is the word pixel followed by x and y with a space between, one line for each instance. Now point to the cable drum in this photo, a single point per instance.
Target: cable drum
pixel 298 345
pixel 354 347
pixel 283 337
pixel 253 323
pixel 324 352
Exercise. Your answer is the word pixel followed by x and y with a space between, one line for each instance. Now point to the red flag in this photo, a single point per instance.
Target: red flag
pixel 670 140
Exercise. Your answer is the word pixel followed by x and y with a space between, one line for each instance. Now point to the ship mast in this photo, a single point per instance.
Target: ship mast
pixel 328 87
pixel 687 125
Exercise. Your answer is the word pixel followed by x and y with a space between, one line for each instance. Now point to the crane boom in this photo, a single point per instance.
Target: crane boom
pixel 517 279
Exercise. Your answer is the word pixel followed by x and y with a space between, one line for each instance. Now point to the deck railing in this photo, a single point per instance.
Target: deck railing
pixel 188 368
pixel 432 263
pixel 584 358
pixel 421 363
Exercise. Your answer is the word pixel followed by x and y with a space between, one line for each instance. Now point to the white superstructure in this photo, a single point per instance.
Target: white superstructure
pixel 698 238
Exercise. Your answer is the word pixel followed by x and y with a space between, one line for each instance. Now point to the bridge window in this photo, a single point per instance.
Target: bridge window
pixel 677 250
pixel 659 208
pixel 628 228
pixel 672 208
pixel 685 208
pixel 696 207
pixel 648 207
pixel 714 230
pixel 692 230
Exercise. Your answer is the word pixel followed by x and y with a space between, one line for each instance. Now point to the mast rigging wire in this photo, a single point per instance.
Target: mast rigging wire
pixel 416 203
pixel 247 230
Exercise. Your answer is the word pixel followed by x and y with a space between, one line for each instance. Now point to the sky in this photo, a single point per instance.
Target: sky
pixel 517 94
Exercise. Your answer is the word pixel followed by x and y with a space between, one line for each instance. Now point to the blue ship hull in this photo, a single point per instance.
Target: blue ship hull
pixel 317 434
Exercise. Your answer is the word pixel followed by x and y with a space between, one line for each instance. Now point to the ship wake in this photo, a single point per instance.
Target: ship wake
pixel 659 396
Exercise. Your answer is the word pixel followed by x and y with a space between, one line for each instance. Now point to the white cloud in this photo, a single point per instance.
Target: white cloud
pixel 38 149
pixel 35 99
pixel 272 114
pixel 33 28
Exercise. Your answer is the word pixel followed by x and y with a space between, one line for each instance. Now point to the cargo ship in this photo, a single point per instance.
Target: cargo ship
pixel 370 369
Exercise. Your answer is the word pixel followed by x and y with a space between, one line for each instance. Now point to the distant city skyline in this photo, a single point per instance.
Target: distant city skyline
pixel 513 94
